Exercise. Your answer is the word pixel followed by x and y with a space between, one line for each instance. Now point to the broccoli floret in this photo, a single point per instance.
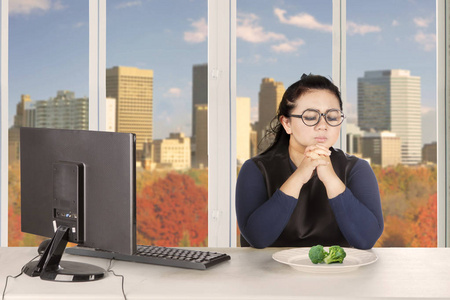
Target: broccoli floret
pixel 317 254
pixel 335 255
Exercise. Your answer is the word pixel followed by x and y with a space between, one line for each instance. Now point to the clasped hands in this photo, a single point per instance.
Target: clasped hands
pixel 317 158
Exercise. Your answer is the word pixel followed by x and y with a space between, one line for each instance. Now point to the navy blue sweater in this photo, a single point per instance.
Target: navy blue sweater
pixel 357 210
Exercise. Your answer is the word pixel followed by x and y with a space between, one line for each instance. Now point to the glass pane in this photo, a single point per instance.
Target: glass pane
pixel 277 41
pixel 391 81
pixel 48 81
pixel 157 78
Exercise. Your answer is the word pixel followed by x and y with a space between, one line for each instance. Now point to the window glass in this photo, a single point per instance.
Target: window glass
pixel 391 109
pixel 277 41
pixel 156 84
pixel 48 81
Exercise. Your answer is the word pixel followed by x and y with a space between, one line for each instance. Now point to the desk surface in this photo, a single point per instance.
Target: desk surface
pixel 420 273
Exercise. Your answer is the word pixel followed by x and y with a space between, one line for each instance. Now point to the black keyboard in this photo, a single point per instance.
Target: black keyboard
pixel 157 255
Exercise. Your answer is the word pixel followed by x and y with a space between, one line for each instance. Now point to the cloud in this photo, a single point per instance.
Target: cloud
pixel 79 25
pixel 288 47
pixel 26 7
pixel 302 20
pixel 422 22
pixel 257 59
pixel 173 93
pixel 426 40
pixel 395 23
pixel 199 34
pixel 128 4
pixel 249 30
pixel 362 29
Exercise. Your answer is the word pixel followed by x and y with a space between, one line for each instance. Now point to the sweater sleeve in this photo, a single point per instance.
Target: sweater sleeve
pixel 358 209
pixel 261 219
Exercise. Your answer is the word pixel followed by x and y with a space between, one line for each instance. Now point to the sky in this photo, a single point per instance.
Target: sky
pixel 280 39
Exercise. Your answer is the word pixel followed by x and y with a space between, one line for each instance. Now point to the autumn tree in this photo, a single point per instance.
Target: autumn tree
pixel 425 228
pixel 172 211
pixel 404 192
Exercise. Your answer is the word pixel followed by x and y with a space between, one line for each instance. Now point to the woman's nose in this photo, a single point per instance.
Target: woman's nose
pixel 322 123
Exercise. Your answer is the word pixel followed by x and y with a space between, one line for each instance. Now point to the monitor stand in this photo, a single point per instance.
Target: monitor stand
pixel 50 266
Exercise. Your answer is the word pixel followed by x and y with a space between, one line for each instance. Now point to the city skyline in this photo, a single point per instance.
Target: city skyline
pixel 387 134
pixel 271 38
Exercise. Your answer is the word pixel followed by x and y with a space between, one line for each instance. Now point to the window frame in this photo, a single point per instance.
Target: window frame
pixel 221 95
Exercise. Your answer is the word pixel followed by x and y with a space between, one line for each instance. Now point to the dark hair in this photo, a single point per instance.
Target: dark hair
pixel 288 103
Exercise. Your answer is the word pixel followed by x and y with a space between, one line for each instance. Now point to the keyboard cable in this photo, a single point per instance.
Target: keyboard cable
pixel 123 278
pixel 14 277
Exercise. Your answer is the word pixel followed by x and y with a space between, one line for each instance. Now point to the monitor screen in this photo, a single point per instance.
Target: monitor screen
pixel 83 181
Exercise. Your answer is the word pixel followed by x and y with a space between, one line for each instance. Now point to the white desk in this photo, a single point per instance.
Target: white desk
pixel 408 273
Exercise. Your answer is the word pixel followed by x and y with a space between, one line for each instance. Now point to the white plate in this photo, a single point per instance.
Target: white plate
pixel 298 259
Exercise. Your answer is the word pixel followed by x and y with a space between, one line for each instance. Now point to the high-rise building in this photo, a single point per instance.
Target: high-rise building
pixel 383 148
pixel 390 100
pixel 20 117
pixel 173 153
pixel 354 135
pixel 270 95
pixel 201 136
pixel 199 141
pixel 243 129
pixel 63 112
pixel 20 120
pixel 110 114
pixel 199 90
pixel 429 153
pixel 133 90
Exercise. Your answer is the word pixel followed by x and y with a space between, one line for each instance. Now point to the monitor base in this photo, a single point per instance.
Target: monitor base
pixel 68 271
pixel 50 266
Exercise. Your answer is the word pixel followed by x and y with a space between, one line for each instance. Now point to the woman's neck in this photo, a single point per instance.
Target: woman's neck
pixel 296 153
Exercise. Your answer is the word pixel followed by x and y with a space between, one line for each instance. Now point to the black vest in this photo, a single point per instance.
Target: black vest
pixel 312 221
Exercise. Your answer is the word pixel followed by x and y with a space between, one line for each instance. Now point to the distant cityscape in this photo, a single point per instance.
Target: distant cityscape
pixel 388 131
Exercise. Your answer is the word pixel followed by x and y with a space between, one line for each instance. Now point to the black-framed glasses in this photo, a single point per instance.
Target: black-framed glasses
pixel 311 117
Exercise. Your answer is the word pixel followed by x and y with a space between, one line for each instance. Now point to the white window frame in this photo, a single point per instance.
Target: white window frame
pixel 442 119
pixel 222 231
pixel 4 123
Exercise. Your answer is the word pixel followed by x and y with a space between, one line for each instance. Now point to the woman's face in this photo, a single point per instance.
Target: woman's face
pixel 303 135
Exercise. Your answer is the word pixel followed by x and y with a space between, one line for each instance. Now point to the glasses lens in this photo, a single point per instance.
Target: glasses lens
pixel 310 117
pixel 334 117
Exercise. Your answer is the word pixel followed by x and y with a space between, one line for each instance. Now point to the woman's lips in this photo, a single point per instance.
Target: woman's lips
pixel 321 139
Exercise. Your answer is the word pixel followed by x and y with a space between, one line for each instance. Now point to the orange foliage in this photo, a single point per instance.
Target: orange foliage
pixel 397 233
pixel 172 211
pixel 425 228
pixel 405 192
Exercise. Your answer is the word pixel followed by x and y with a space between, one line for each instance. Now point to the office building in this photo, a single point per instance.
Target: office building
pixel 20 116
pixel 390 100
pixel 270 95
pixel 253 142
pixel 199 97
pixel 354 135
pixel 429 153
pixel 199 89
pixel 14 131
pixel 243 129
pixel 63 112
pixel 133 90
pixel 201 136
pixel 173 153
pixel 110 114
pixel 383 148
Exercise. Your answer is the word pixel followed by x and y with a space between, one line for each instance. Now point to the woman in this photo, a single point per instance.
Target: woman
pixel 301 192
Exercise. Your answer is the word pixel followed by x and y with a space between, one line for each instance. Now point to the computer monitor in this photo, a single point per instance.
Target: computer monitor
pixel 77 186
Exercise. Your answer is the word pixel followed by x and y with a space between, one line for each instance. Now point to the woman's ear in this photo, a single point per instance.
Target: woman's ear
pixel 286 123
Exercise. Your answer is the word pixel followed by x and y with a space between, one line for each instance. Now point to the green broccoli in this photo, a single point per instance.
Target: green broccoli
pixel 335 255
pixel 317 254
